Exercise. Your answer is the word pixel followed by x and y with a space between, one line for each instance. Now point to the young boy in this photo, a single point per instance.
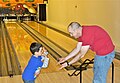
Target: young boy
pixel 37 61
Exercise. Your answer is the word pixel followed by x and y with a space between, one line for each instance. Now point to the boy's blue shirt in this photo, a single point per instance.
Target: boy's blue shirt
pixel 33 64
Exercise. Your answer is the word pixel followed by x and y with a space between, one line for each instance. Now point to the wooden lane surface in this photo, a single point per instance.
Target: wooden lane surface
pixel 52 46
pixel 21 41
pixel 56 37
pixel 3 63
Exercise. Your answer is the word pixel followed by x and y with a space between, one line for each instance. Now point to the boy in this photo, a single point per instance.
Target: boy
pixel 37 61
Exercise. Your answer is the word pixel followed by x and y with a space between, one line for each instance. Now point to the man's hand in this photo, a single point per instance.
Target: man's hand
pixel 61 60
pixel 82 56
pixel 63 65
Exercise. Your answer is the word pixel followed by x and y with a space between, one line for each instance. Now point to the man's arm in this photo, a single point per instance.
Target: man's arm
pixel 73 53
pixel 83 51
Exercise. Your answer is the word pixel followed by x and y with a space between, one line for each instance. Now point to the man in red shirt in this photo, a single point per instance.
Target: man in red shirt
pixel 96 39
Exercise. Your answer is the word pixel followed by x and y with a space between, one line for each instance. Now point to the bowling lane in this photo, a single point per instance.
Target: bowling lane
pixel 3 62
pixel 53 35
pixel 21 41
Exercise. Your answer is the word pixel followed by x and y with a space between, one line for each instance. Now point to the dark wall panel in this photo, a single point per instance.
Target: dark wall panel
pixel 42 12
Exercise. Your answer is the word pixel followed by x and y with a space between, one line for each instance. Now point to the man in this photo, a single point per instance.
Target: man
pixel 96 39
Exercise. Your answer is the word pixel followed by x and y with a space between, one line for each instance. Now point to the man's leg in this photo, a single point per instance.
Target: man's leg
pixel 101 67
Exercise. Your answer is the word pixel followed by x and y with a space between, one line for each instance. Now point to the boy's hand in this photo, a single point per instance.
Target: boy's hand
pixel 44 49
pixel 45 52
pixel 37 72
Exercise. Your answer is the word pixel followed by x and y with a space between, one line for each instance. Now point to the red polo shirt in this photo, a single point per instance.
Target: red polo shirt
pixel 98 39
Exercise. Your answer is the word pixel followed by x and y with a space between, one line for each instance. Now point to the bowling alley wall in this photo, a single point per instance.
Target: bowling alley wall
pixel 104 13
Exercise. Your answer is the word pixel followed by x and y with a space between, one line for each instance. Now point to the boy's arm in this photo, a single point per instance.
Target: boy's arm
pixel 45 62
pixel 37 72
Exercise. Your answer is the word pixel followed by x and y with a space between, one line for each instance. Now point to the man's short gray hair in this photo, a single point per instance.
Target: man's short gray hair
pixel 74 25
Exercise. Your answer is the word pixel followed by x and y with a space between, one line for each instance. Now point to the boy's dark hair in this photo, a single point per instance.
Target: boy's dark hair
pixel 34 47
